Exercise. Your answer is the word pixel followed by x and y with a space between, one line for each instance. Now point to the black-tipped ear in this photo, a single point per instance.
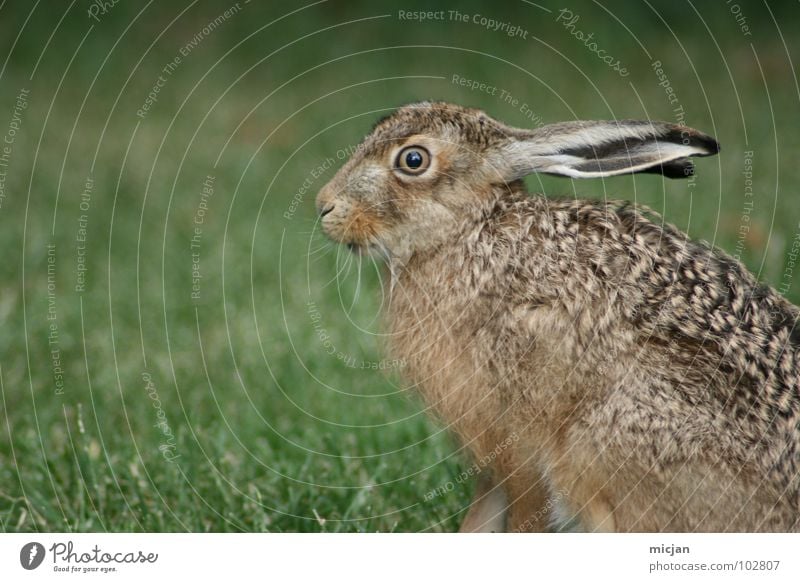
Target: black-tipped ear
pixel 684 167
pixel 680 168
pixel 594 149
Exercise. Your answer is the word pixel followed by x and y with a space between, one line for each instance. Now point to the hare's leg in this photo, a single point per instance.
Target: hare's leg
pixel 489 507
pixel 598 515
pixel 582 504
pixel 531 508
pixel 580 474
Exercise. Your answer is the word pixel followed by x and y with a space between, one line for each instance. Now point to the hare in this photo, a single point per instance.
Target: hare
pixel 603 369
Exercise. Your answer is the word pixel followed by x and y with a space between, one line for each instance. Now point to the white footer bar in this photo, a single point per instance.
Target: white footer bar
pixel 390 557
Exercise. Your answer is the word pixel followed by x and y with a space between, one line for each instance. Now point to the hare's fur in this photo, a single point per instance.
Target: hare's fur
pixel 637 380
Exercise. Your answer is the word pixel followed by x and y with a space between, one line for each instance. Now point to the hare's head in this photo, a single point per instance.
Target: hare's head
pixel 427 166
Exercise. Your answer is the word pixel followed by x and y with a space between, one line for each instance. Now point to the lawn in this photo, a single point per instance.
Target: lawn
pixel 182 350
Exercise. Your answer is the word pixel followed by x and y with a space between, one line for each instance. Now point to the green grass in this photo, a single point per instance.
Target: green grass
pixel 265 429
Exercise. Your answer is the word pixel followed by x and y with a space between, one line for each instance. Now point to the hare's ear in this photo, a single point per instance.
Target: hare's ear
pixel 595 149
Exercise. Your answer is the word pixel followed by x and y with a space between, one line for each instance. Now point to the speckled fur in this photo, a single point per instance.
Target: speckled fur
pixel 648 379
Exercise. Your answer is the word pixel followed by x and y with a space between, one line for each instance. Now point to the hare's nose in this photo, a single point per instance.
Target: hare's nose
pixel 326 210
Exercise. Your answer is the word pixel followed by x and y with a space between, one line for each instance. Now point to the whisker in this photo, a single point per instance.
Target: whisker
pixel 324 247
pixel 339 269
pixel 383 292
pixel 358 287
pixel 345 270
pixel 316 260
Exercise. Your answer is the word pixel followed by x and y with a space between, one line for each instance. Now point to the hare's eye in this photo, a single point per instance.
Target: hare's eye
pixel 413 160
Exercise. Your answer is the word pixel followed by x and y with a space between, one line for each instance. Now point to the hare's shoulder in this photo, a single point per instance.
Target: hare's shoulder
pixel 607 258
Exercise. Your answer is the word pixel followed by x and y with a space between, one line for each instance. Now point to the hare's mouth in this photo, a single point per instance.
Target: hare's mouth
pixel 360 248
pixel 367 249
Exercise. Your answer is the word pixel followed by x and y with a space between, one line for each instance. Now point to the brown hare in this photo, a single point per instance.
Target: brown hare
pixel 610 372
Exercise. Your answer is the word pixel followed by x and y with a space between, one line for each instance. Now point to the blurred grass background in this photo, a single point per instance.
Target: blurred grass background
pixel 255 405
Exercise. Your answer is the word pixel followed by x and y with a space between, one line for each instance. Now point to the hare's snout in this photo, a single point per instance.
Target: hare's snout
pixel 325 201
pixel 332 211
pixel 344 220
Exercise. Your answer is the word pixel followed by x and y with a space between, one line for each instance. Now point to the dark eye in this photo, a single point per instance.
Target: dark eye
pixel 413 160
